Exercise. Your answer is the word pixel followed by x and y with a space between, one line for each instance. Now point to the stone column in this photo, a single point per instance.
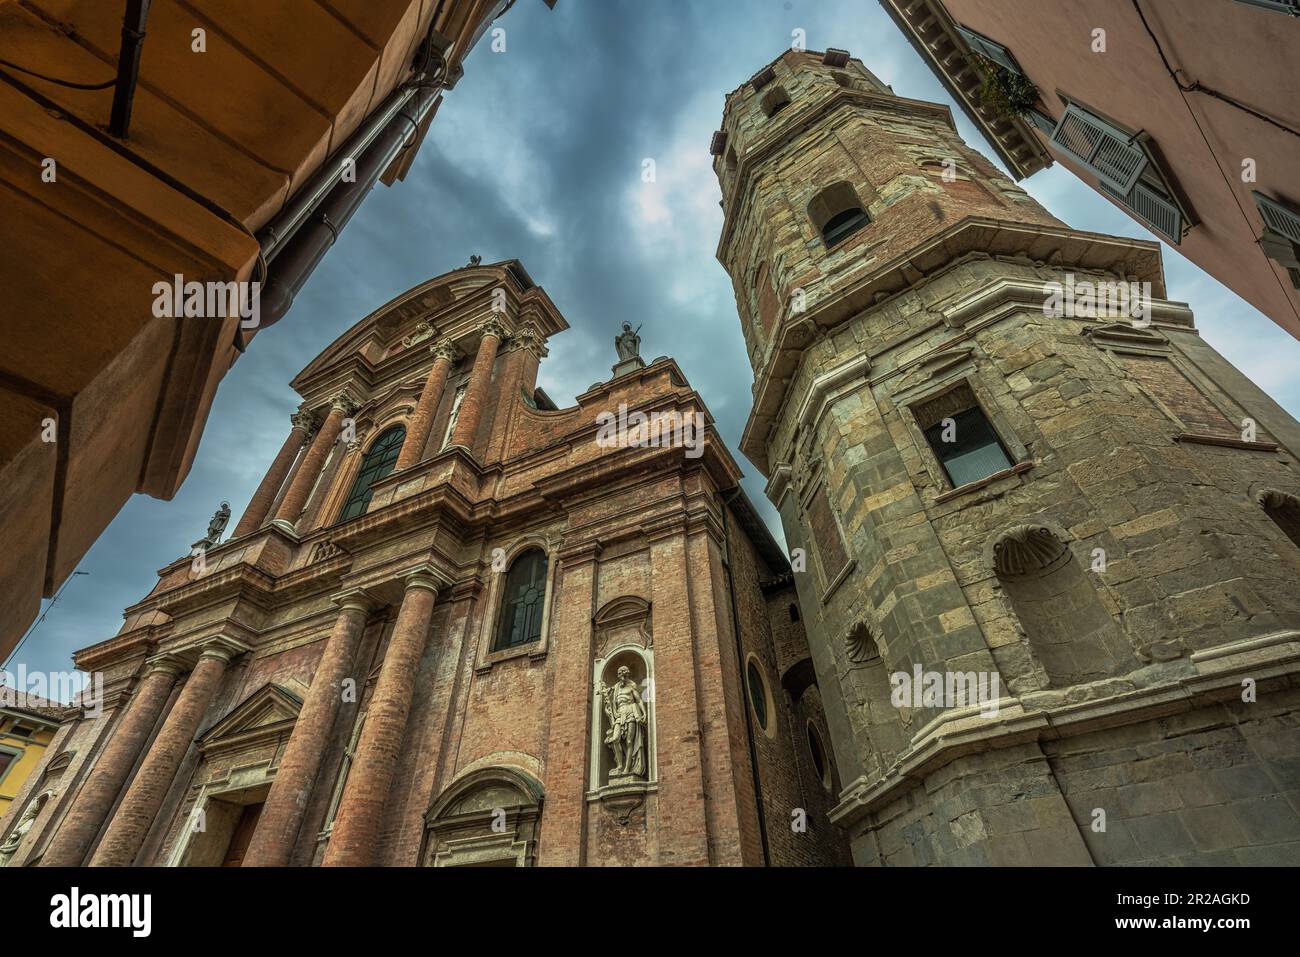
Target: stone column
pixel 91 807
pixel 480 380
pixel 278 826
pixel 135 815
pixel 360 813
pixel 260 504
pixel 417 433
pixel 303 480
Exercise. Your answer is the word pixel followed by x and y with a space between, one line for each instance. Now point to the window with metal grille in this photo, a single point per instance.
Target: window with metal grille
pixel 961 436
pixel 990 48
pixel 968 448
pixel 522 600
pixel 1104 149
pixel 378 463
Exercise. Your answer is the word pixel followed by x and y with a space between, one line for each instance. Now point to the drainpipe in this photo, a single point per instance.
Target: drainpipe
pixel 744 680
pixel 128 65
pixel 294 243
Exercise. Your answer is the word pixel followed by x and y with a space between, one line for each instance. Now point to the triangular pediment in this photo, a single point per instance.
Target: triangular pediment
pixel 271 710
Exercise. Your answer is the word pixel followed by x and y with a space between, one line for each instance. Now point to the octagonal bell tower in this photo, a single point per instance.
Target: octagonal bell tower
pixel 1028 505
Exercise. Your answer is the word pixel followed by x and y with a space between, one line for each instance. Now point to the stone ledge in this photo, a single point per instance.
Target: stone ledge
pixel 961 732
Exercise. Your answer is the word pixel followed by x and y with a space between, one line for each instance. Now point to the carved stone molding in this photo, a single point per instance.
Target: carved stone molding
pixel 1028 550
pixel 421 332
pixel 1272 498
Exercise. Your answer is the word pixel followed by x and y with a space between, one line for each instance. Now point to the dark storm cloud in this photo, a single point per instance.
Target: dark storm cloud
pixel 537 155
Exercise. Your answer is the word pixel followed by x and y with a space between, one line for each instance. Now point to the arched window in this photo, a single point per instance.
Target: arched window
pixel 379 461
pixel 775 100
pixel 837 213
pixel 520 620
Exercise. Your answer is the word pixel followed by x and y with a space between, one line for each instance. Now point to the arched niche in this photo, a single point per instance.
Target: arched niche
pixel 486 818
pixel 623 641
pixel 1070 632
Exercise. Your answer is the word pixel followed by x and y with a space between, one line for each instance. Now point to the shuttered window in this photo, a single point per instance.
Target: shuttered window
pixel 1278 218
pixel 1102 148
pixel 1157 211
pixel 990 48
pixel 1291 7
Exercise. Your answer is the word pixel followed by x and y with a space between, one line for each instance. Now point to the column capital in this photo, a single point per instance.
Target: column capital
pixel 344 402
pixel 444 349
pixel 222 648
pixel 354 598
pixel 303 419
pixel 425 576
pixel 529 337
pixel 165 663
pixel 493 326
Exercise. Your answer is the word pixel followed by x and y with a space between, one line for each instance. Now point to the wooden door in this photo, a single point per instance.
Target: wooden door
pixel 243 835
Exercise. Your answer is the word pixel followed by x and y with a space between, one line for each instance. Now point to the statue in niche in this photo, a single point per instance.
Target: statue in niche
pixel 627 723
pixel 628 343
pixel 10 847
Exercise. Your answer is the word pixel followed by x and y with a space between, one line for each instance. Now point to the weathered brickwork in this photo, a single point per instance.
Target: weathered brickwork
pixel 338 678
pixel 1125 573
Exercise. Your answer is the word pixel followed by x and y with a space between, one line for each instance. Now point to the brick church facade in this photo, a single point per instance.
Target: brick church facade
pixel 446 604
pixel 1039 605
pixel 1091 516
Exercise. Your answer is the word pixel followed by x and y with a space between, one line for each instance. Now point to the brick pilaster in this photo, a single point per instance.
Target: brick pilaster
pixel 91 807
pixel 261 501
pixel 278 826
pixel 360 813
pixel 480 380
pixel 135 815
pixel 683 822
pixel 303 479
pixel 568 742
pixel 417 432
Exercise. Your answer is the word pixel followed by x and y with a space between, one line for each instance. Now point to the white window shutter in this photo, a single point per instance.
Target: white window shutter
pixel 1101 147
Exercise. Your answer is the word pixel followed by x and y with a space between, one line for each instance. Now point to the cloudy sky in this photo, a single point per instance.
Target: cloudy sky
pixel 537 155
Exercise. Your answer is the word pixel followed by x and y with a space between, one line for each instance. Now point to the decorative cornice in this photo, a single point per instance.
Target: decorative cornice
pixel 1093 251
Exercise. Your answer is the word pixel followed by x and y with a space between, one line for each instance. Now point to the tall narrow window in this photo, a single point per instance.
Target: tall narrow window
pixel 522 601
pixel 379 461
pixel 961 437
